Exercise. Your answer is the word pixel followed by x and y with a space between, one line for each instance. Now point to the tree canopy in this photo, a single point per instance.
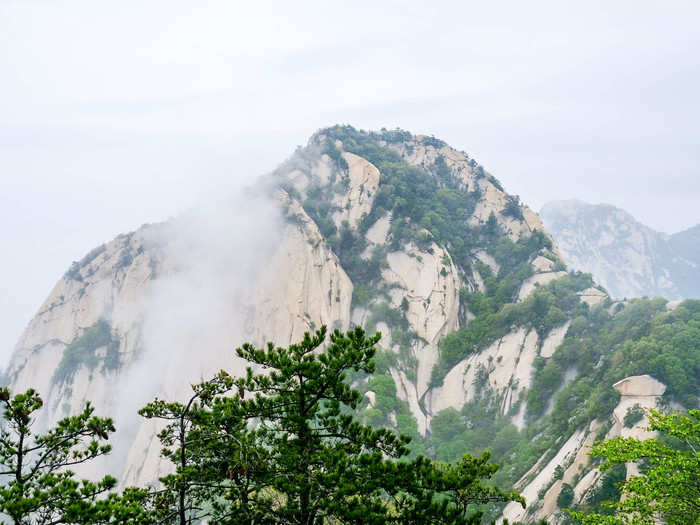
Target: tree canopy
pixel 283 445
pixel 668 487
pixel 39 487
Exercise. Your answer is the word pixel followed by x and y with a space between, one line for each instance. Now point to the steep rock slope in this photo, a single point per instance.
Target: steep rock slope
pixel 386 230
pixel 626 257
pixel 486 338
pixel 154 311
pixel 572 460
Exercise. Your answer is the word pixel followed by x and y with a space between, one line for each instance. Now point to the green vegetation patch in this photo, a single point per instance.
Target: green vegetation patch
pixel 643 338
pixel 545 308
pixel 83 352
pixel 74 270
pixel 419 200
pixel 426 206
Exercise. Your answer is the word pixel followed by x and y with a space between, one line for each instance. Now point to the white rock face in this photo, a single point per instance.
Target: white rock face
pixel 643 391
pixel 300 283
pixel 592 296
pixel 542 264
pixel 554 339
pixel 104 290
pixel 539 279
pixel 377 234
pixel 181 296
pixel 505 367
pixel 363 180
pixel 430 284
pixel 640 386
pixel 573 457
pixel 514 511
pixel 626 257
pixel 488 260
pixel 493 199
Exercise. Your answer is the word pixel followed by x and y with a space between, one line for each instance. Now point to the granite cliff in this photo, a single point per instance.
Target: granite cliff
pixel 396 232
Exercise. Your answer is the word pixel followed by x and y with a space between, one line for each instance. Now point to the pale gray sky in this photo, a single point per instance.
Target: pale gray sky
pixel 113 114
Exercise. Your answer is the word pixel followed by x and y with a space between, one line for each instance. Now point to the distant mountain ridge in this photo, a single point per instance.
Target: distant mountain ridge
pixel 626 257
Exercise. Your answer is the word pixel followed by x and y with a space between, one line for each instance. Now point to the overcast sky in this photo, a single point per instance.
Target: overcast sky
pixel 113 114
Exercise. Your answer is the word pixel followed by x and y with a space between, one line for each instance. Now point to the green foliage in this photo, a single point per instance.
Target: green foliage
pixel 382 311
pixel 125 259
pixel 334 153
pixel 607 490
pixel 388 404
pixel 74 272
pixel 479 427
pixel 439 493
pixel 287 447
pixel 417 199
pixel 513 207
pixel 83 352
pixel 191 444
pixel 668 487
pixel 545 308
pixel 603 348
pixel 427 205
pixel 39 487
pixel 642 338
pixel 633 416
pixel 566 496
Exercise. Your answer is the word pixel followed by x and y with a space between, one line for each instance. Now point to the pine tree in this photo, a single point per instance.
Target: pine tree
pixel 38 485
pixel 286 447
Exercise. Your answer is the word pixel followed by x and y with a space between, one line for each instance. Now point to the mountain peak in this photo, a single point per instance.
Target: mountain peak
pixel 627 257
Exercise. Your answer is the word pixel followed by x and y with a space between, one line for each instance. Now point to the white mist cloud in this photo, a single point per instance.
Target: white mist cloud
pixel 194 314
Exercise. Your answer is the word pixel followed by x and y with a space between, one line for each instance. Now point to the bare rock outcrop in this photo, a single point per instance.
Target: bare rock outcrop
pixel 572 459
pixel 362 182
pixel 505 368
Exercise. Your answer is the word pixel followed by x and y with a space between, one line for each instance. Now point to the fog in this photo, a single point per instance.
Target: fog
pixel 114 115
pixel 208 264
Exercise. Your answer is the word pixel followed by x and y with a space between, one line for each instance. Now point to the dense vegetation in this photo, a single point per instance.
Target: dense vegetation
pixel 283 447
pixel 545 308
pixel 314 432
pixel 38 485
pixel 668 488
pixel 642 338
pixel 84 351
pixel 431 204
pixel 602 348
pixel 426 204
pixel 307 459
